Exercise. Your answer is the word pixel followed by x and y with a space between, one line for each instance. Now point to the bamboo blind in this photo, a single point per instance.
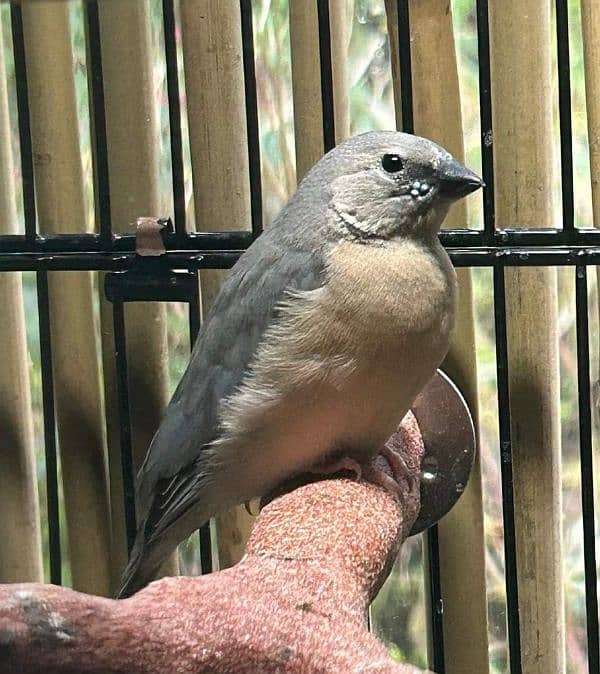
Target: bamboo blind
pixel 522 100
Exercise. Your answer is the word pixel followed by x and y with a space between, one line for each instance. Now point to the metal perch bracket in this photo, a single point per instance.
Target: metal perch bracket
pixel 449 437
pixel 151 279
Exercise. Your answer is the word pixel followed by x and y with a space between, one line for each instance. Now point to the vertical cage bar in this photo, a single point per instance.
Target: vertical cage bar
pixel 195 313
pixel 98 121
pixel 485 115
pixel 587 468
pixel 508 505
pixel 564 106
pixel 122 389
pixel 436 615
pixel 174 117
pixel 195 310
pixel 49 428
pixel 406 93
pixel 252 117
pixel 16 20
pixel 326 75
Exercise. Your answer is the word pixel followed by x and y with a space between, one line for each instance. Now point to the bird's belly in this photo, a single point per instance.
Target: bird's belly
pixel 311 426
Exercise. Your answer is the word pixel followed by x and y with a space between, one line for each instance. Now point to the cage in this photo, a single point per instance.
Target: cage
pixel 92 67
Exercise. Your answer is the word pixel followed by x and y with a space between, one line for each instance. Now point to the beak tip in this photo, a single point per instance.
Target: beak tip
pixel 457 181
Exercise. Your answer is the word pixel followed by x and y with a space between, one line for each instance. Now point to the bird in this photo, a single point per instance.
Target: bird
pixel 321 337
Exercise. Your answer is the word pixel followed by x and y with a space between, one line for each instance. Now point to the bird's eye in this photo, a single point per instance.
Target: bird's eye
pixel 392 163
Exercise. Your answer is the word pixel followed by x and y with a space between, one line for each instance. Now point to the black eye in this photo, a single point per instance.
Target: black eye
pixel 392 163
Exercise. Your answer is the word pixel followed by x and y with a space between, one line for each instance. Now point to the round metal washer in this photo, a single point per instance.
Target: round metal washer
pixel 449 438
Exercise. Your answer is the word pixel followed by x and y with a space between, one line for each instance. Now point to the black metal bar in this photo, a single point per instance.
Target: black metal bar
pixel 25 145
pixel 587 468
pixel 485 115
pixel 112 262
pixel 206 242
pixel 508 506
pixel 85 243
pixel 206 564
pixel 564 106
pixel 124 423
pixel 327 100
pixel 406 94
pixel 195 313
pixel 436 617
pixel 252 117
pixel 98 122
pixel 49 428
pixel 461 257
pixel 174 117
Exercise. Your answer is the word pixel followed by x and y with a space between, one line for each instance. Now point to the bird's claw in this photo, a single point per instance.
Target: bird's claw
pixel 403 481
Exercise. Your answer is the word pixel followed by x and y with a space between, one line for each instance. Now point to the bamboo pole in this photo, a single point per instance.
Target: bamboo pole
pixel 132 137
pixel 521 45
pixel 61 208
pixel 437 115
pixel 306 77
pixel 590 24
pixel 214 81
pixel 20 552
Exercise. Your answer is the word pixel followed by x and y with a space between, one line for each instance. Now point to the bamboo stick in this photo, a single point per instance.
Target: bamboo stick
pixel 521 46
pixel 437 115
pixel 61 208
pixel 306 77
pixel 20 552
pixel 214 80
pixel 132 137
pixel 590 24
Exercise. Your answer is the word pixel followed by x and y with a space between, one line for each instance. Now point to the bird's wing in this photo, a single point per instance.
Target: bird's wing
pixel 247 304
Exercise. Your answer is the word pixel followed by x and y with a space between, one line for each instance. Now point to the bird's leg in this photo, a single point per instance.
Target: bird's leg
pixel 343 463
pixel 401 473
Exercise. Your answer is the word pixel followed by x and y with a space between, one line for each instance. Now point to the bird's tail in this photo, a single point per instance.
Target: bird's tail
pixel 144 563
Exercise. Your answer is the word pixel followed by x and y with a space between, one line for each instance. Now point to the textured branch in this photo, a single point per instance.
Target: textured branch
pixel 297 602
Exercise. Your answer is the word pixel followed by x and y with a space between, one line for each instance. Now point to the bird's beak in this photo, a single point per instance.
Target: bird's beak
pixel 456 181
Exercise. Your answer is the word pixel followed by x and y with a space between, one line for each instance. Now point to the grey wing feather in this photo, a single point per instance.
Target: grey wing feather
pixel 246 305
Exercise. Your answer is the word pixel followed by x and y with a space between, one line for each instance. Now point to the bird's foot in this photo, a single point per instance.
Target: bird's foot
pixel 403 480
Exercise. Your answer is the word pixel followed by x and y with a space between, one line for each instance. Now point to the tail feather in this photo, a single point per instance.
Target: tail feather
pixel 144 563
pixel 148 553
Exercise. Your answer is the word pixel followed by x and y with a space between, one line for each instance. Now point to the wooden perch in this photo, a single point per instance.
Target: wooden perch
pixel 297 601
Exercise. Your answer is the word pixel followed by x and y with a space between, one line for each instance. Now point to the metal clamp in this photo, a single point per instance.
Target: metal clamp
pixel 151 279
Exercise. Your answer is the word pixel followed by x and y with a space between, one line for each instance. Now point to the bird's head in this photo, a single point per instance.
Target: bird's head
pixel 384 184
